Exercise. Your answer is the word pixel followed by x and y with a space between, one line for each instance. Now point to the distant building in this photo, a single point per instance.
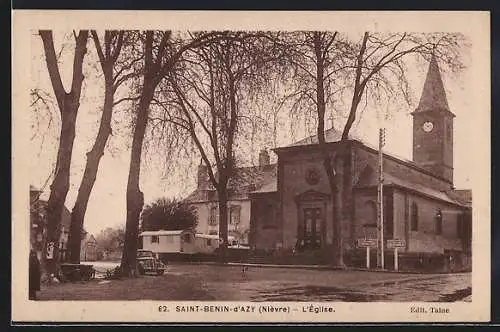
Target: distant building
pixel 88 250
pixel 38 227
pixel 38 224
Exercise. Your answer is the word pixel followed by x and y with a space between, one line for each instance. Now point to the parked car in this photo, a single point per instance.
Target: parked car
pixel 149 263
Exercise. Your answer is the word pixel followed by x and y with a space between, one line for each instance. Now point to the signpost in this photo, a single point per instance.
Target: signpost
pixel 367 243
pixel 395 244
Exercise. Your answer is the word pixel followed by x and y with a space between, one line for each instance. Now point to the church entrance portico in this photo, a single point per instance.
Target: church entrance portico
pixel 312 216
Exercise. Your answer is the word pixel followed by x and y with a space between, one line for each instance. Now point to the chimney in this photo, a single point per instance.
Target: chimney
pixel 202 176
pixel 263 158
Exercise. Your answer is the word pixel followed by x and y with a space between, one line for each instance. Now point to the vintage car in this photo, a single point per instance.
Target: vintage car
pixel 148 263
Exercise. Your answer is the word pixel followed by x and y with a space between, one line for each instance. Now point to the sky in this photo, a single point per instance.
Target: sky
pixel 107 207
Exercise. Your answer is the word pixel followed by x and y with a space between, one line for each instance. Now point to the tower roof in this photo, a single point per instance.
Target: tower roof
pixel 433 94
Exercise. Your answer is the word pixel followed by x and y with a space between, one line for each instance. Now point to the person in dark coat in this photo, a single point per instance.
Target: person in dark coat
pixel 34 275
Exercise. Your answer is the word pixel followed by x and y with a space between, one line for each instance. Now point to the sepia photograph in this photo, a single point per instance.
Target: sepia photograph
pixel 211 167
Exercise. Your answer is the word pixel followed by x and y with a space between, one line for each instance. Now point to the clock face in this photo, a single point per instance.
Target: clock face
pixel 427 127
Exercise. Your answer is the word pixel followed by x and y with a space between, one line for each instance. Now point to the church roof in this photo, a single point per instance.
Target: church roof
pixel 437 194
pixel 389 179
pixel 462 195
pixel 433 94
pixel 331 135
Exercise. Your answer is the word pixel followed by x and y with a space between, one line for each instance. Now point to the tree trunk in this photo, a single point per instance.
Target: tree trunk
pixel 327 158
pixel 135 198
pixel 60 186
pixel 68 104
pixel 345 195
pixel 90 174
pixel 339 200
pixel 223 222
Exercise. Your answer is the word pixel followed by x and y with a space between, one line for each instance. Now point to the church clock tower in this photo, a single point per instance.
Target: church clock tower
pixel 433 127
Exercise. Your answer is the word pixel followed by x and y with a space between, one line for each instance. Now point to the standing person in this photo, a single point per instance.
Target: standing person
pixel 34 275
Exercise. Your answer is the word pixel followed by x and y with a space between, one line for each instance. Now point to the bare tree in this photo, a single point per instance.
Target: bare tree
pixel 379 73
pixel 161 53
pixel 116 72
pixel 328 66
pixel 68 103
pixel 206 97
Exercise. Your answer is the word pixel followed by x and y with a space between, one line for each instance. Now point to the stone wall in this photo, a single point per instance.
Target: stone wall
pixel 426 239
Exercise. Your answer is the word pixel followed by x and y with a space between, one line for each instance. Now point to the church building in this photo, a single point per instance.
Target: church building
pixel 288 205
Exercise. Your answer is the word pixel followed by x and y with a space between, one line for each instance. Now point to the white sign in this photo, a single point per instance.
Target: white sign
pixel 363 243
pixel 396 243
pixel 50 250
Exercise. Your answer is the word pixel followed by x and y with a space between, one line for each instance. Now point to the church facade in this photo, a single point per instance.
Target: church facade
pixel 291 208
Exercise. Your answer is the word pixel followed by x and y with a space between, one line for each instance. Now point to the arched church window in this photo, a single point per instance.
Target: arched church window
pixel 414 216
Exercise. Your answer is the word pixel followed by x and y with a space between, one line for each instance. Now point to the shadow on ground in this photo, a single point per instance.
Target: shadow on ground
pixel 317 293
pixel 457 295
pixel 325 293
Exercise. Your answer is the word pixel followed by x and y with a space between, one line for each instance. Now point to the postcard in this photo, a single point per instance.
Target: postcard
pixel 260 166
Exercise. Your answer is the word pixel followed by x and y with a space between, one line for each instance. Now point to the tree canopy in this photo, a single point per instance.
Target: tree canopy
pixel 168 214
pixel 110 240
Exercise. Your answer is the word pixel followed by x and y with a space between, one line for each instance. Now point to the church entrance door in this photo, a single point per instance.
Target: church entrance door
pixel 312 228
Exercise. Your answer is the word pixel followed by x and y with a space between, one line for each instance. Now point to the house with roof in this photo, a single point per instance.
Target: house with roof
pixel 88 251
pixel 288 205
pixel 242 184
pixel 38 228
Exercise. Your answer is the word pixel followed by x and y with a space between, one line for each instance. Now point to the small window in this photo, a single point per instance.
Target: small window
pixel 414 216
pixel 213 232
pixel 439 222
pixel 234 214
pixel 155 239
pixel 209 242
pixel 186 238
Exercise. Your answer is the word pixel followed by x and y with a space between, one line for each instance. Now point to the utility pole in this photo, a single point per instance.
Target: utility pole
pixel 380 197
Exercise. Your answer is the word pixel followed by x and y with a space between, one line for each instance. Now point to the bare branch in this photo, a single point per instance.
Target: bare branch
pixel 52 66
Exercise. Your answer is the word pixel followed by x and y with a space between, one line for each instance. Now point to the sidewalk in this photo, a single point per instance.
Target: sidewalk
pixel 327 267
